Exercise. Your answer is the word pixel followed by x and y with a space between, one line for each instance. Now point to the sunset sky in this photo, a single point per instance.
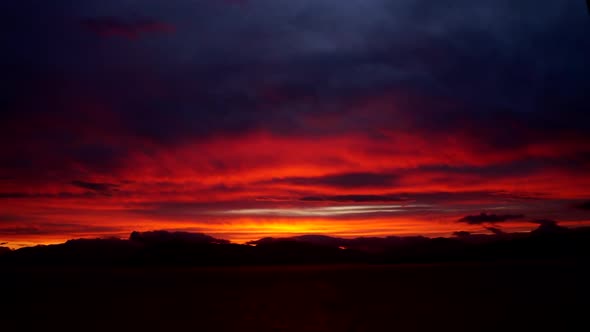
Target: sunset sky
pixel 250 118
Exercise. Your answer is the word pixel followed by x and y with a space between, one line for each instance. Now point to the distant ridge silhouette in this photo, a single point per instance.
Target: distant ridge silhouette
pixel 548 241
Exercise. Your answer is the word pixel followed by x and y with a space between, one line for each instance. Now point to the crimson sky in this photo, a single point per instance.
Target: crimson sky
pixel 244 119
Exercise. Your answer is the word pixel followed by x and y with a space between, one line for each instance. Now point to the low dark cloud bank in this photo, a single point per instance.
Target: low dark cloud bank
pixel 348 180
pixel 496 230
pixel 105 188
pixel 354 198
pixel 484 218
pixel 548 226
pixel 584 206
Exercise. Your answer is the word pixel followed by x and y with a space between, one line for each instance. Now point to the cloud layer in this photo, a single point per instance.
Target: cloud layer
pixel 171 115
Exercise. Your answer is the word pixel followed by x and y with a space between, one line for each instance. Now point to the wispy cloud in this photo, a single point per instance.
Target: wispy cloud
pixel 325 211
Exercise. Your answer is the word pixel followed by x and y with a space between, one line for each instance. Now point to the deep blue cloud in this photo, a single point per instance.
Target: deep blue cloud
pixel 515 72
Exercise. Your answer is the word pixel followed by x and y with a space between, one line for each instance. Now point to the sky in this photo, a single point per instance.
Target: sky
pixel 251 118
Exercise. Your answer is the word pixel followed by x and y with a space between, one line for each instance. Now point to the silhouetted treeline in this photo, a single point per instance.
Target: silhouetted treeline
pixel 548 242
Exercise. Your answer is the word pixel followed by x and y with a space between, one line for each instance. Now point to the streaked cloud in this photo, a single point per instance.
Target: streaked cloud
pixel 326 211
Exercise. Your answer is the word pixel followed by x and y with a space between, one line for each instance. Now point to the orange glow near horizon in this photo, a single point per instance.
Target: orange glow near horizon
pixel 244 229
pixel 259 184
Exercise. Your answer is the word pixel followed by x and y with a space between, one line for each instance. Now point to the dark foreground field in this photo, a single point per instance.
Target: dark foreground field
pixel 444 297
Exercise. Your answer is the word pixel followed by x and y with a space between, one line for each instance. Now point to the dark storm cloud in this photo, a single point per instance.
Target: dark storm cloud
pixel 354 198
pixel 91 193
pixel 548 226
pixel 349 180
pixel 583 206
pixel 496 230
pixel 208 73
pixel 484 218
pixel 14 195
pixel 60 195
pixel 490 73
pixel 104 188
pixel 497 171
pixel 113 27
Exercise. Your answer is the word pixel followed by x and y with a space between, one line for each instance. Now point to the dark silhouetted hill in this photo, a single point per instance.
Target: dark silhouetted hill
pixel 4 250
pixel 548 242
pixel 163 237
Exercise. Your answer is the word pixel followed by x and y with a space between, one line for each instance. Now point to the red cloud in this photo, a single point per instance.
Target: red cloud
pixel 189 184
